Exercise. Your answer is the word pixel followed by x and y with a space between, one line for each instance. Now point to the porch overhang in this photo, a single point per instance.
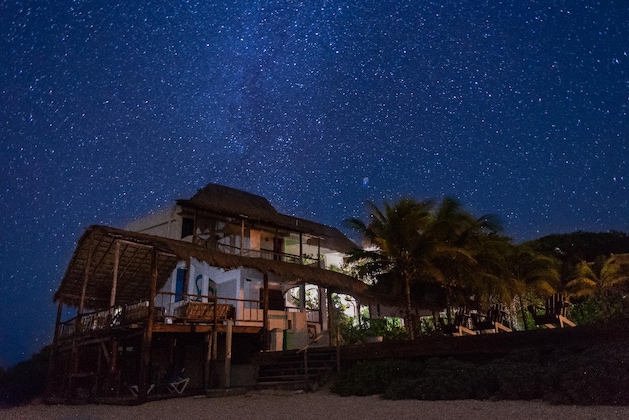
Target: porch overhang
pixel 91 269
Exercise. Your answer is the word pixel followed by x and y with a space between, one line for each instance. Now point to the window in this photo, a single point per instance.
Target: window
pixel 276 300
pixel 180 284
pixel 187 227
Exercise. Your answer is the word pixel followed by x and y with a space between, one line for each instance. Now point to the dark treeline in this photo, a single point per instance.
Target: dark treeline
pixel 585 246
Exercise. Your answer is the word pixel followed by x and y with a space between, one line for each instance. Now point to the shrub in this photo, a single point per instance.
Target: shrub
pixel 443 379
pixel 596 376
pixel 25 381
pixel 599 375
pixel 599 310
pixel 517 376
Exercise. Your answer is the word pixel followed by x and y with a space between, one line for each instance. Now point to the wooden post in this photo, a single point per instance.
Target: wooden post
pixel 208 360
pixel 319 252
pixel 302 297
pixel 57 322
pixel 113 348
pixel 331 318
pixel 322 305
pixel 228 353
pixel 195 225
pixel 78 327
pixel 113 364
pixel 145 362
pixel 302 288
pixel 242 235
pixel 265 312
pixel 214 345
pixel 114 281
pixel 86 274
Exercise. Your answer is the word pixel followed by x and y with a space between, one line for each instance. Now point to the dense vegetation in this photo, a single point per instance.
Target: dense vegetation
pixel 438 256
pixel 596 376
pixel 582 246
pixel 25 381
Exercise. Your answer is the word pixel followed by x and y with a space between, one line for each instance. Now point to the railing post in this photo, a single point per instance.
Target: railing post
pixel 265 312
pixel 306 369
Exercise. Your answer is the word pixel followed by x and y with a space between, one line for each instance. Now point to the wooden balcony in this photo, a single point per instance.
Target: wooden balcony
pixel 175 313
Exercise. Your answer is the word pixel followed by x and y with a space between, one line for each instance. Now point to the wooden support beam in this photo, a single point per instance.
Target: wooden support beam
pixel 331 318
pixel 319 252
pixel 208 361
pixel 265 312
pixel 242 235
pixel 145 362
pixel 113 364
pixel 228 353
pixel 302 297
pixel 322 305
pixel 114 280
pixel 86 274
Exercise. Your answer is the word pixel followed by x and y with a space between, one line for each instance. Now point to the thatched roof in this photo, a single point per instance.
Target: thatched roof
pixel 95 254
pixel 230 202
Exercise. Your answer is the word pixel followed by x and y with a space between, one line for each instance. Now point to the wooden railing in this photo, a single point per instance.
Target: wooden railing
pixel 267 254
pixel 169 308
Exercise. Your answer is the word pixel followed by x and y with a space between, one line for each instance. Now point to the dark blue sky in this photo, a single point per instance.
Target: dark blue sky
pixel 112 109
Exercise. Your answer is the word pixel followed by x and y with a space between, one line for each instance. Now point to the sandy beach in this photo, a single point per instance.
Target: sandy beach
pixel 322 404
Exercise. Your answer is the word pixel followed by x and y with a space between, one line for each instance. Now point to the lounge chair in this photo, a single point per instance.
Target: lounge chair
pixel 135 389
pixel 495 320
pixel 178 384
pixel 460 326
pixel 554 313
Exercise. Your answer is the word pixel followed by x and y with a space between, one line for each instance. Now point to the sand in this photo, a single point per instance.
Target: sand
pixel 318 405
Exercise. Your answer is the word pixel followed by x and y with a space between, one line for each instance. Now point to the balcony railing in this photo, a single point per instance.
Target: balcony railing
pixel 171 308
pixel 267 254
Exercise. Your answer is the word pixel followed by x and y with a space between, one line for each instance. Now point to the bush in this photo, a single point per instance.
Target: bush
pixel 596 376
pixel 599 375
pixel 517 376
pixel 599 310
pixel 443 379
pixel 390 329
pixel 25 381
pixel 364 378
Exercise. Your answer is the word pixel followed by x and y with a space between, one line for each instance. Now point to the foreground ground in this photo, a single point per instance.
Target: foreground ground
pixel 322 404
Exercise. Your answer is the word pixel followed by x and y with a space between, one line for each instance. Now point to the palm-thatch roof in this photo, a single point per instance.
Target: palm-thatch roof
pixel 94 258
pixel 230 202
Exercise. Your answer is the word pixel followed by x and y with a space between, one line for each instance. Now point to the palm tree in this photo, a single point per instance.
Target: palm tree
pixel 597 278
pixel 467 253
pixel 397 246
pixel 412 245
pixel 532 273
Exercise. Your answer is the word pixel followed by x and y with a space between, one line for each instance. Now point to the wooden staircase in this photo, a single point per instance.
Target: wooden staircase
pixel 293 369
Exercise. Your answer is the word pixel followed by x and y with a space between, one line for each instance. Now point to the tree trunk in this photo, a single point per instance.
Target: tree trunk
pixel 409 308
pixel 522 312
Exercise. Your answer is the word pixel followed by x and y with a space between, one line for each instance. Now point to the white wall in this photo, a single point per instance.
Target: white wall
pixel 165 223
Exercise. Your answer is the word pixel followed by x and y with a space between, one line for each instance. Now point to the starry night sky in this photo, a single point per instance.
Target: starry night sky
pixel 113 109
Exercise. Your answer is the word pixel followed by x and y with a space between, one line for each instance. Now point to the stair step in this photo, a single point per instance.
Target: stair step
pixel 286 370
pixel 282 385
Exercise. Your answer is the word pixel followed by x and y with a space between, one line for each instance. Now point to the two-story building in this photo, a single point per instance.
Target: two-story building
pixel 197 288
